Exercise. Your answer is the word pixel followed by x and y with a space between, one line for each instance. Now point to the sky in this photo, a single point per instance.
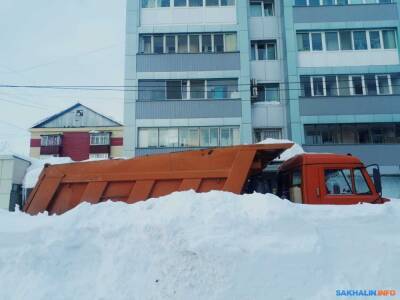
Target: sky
pixel 54 42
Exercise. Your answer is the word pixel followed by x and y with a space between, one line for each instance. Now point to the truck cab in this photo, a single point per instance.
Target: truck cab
pixel 328 179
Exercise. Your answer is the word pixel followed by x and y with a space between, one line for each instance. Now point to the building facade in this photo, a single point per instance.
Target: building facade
pixel 324 73
pixel 79 133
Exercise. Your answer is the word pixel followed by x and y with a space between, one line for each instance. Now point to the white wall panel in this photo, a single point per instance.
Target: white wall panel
pixel 348 58
pixel 188 16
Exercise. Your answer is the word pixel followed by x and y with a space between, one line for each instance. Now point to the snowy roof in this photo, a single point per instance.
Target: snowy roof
pixel 47 120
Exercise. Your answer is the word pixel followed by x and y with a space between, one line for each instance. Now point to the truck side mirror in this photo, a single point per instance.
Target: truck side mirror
pixel 377 180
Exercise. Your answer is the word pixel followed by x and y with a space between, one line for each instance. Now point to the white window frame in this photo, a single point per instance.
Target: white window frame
pixel 44 140
pixel 351 85
pixel 350 2
pixel 265 43
pixel 263 8
pixel 100 139
pixel 99 155
pixel 378 87
pixel 312 86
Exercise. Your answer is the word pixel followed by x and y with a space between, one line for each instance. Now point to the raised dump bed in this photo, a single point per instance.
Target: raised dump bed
pixel 62 187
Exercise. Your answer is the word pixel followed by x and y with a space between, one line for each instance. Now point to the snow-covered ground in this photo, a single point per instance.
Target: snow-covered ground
pixel 200 246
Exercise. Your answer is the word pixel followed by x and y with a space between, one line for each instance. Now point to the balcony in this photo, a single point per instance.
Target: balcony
pixel 188 62
pixel 51 150
pixel 352 105
pixel 345 13
pixel 185 109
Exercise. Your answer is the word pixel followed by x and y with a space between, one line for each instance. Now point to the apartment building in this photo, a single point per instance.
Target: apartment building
pixel 344 78
pixel 205 73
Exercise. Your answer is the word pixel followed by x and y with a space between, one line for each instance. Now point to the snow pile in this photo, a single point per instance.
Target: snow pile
pixel 289 153
pixel 200 246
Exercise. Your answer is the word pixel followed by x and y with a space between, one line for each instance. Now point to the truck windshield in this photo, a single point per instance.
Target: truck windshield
pixel 338 182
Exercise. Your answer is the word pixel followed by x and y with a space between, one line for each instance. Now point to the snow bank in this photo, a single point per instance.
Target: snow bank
pixel 289 153
pixel 200 246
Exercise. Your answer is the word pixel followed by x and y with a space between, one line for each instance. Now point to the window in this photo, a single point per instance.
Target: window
pixel 227 2
pixel 367 133
pixel 180 3
pixel 229 136
pixel 99 156
pixel 256 9
pixel 375 39
pixel 152 90
pixel 360 40
pixel 361 185
pixel 230 42
pixel 195 3
pixel 174 89
pixel 357 86
pixel 170 43
pixel 182 43
pixel 389 39
pixel 197 89
pixel 267 133
pixel 50 140
pixel 262 8
pixel 208 137
pixel 148 137
pixel 268 92
pixel 158 44
pixel 219 43
pixel 268 8
pixel 102 138
pixel 148 3
pixel 163 3
pixel 317 84
pixel 331 86
pixel 206 43
pixel 383 83
pixel 222 89
pixel 168 137
pixel 263 50
pixel 212 3
pixel 303 42
pixel 345 40
pixel 194 41
pixel 145 44
pixel 338 182
pixel 332 41
pixel 300 2
pixel 344 85
pixel 305 86
pixel 313 3
pixel 188 137
pixel 370 84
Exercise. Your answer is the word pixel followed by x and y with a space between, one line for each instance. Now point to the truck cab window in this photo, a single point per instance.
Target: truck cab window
pixel 338 182
pixel 360 183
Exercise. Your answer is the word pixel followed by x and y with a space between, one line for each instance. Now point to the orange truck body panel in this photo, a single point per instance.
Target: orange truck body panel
pixel 63 187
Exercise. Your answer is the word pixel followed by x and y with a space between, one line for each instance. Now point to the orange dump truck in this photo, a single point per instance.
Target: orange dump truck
pixel 307 178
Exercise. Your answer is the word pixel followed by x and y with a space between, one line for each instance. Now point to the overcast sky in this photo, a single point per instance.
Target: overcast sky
pixel 57 42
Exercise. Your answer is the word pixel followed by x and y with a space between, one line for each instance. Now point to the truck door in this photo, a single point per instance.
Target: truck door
pixel 345 185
